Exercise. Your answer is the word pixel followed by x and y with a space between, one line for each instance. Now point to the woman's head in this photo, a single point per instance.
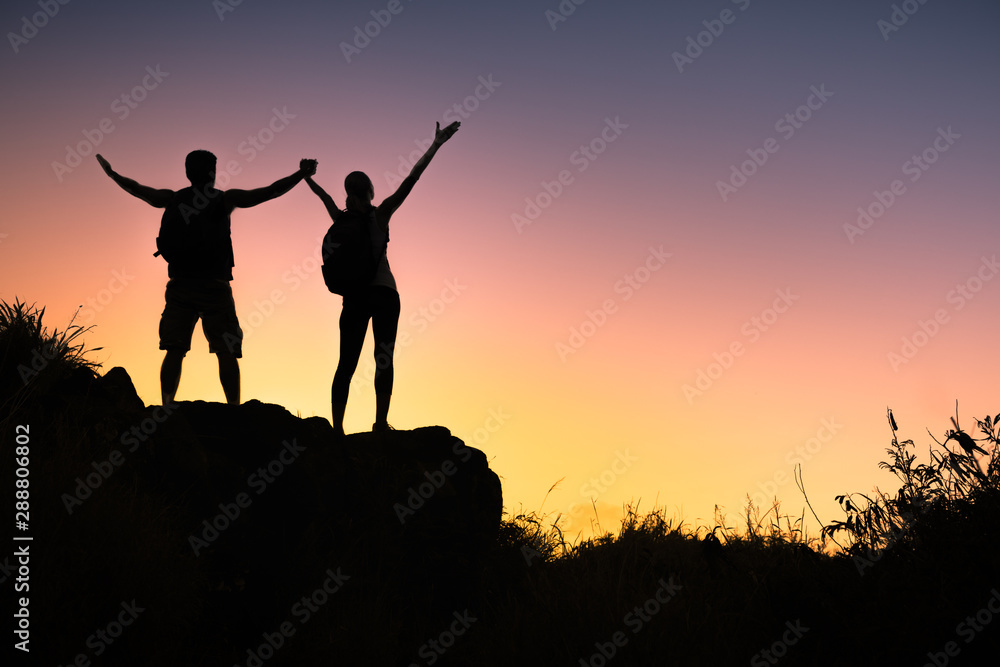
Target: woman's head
pixel 360 190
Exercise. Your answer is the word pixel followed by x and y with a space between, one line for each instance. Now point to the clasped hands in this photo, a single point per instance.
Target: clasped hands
pixel 308 167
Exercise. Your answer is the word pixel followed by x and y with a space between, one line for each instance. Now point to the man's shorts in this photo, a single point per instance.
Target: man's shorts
pixel 189 299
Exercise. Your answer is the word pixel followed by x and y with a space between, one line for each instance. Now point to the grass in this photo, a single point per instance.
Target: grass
pixel 32 358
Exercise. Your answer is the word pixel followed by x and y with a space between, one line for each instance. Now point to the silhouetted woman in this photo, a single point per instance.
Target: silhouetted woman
pixel 379 302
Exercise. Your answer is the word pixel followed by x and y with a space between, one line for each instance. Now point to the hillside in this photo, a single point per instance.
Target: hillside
pixel 210 534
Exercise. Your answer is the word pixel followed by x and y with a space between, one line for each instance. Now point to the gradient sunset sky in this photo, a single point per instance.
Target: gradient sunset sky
pixel 639 267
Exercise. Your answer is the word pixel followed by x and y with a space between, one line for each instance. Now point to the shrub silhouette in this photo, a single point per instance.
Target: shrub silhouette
pixel 930 496
pixel 33 359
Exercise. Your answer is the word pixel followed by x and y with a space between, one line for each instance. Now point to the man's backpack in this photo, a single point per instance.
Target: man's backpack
pixel 349 259
pixel 195 230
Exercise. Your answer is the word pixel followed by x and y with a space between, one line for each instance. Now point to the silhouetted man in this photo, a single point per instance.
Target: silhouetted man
pixel 196 241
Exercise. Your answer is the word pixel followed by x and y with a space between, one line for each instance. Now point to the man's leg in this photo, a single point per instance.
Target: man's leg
pixel 176 326
pixel 170 375
pixel 229 375
pixel 225 337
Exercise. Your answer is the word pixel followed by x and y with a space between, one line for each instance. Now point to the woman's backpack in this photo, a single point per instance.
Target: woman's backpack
pixel 349 260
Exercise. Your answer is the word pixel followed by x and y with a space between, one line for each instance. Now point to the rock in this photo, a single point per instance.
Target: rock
pixel 220 518
pixel 269 497
pixel 120 389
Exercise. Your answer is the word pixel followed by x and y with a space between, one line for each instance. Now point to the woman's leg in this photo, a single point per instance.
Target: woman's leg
pixel 353 327
pixel 385 323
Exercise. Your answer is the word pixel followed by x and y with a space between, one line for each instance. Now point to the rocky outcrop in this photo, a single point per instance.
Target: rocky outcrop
pixel 221 519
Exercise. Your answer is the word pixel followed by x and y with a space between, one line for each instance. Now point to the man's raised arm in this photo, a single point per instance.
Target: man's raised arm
pixel 248 198
pixel 152 196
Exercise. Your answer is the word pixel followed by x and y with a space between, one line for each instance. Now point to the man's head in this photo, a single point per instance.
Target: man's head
pixel 200 168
